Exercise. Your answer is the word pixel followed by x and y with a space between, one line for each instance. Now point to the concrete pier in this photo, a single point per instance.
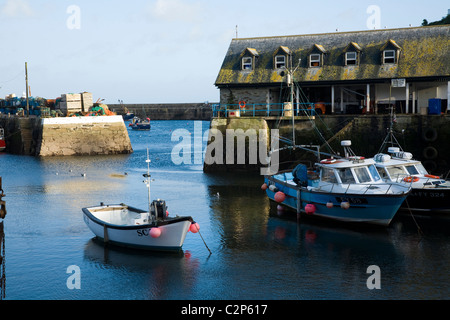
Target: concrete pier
pixel 66 136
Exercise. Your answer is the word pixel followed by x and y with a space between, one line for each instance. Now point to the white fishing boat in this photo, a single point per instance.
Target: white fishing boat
pixel 150 229
pixel 430 194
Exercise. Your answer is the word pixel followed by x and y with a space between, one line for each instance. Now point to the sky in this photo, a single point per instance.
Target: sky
pixel 164 51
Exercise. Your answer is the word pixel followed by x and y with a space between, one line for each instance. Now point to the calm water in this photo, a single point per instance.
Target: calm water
pixel 256 252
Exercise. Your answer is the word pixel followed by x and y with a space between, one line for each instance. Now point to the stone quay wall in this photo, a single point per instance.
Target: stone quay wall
pixel 83 136
pixel 66 136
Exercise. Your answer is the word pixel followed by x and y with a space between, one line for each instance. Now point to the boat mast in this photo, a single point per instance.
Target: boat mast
pixel 147 182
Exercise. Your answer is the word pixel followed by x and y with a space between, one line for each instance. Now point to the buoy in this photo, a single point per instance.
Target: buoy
pixel 264 186
pixel 411 179
pixel 280 208
pixel 310 208
pixel 155 232
pixel 329 205
pixel 345 205
pixel 167 213
pixel 194 228
pixel 279 197
pixel 431 176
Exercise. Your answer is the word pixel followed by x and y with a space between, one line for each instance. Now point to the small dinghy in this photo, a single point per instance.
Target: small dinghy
pixel 127 226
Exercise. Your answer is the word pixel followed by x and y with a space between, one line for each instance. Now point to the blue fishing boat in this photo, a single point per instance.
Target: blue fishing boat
pixel 139 124
pixel 347 189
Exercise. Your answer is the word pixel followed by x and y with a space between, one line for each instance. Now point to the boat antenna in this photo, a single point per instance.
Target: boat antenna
pixel 147 182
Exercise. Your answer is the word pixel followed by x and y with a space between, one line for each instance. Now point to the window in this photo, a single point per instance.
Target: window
pixel 411 169
pixel 247 63
pixel 350 58
pixel 328 175
pixel 362 174
pixel 396 172
pixel 388 56
pixel 314 60
pixel 280 62
pixel 373 171
pixel 346 176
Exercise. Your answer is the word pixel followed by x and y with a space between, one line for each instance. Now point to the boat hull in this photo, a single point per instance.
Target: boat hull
pixel 363 208
pixel 428 201
pixel 173 231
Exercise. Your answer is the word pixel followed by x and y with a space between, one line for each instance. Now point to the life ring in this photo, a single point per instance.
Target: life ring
pixel 242 104
pixel 430 152
pixel 431 176
pixel 429 135
pixel 410 179
pixel 328 161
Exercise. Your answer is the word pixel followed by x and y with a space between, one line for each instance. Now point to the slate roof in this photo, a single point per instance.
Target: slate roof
pixel 423 53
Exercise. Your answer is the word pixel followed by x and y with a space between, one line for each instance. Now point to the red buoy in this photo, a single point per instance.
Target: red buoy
pixel 155 232
pixel 264 186
pixel 194 228
pixel 279 197
pixel 310 208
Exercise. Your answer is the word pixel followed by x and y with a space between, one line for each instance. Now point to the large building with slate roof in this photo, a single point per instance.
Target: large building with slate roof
pixel 350 72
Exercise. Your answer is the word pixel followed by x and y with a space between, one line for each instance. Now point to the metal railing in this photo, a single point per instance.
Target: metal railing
pixel 263 110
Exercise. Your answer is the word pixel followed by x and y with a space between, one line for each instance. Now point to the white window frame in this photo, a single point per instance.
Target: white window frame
pixel 318 58
pixel 247 63
pixel 280 61
pixel 394 58
pixel 351 61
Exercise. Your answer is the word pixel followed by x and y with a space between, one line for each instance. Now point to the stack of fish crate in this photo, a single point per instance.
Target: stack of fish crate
pixel 86 101
pixel 70 103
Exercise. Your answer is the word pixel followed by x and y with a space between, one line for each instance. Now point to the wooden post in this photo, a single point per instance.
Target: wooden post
pixel 26 88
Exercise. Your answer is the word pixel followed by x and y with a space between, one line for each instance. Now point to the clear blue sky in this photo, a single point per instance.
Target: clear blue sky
pixel 162 51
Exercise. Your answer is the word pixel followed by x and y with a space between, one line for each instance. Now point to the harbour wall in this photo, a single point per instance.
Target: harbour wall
pixel 67 136
pixel 174 111
pixel 425 136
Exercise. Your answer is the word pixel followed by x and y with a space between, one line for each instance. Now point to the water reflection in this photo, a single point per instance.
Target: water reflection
pixel 164 274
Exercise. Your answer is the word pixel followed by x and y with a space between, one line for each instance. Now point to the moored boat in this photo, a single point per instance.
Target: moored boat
pixel 131 227
pixel 2 140
pixel 430 194
pixel 139 124
pixel 128 226
pixel 347 189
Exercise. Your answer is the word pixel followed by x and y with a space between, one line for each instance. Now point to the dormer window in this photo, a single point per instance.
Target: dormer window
pixel 388 56
pixel 316 56
pixel 248 59
pixel 391 52
pixel 281 57
pixel 350 58
pixel 280 62
pixel 352 54
pixel 247 63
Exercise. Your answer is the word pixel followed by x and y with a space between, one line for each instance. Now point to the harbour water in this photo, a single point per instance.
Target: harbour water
pixel 257 252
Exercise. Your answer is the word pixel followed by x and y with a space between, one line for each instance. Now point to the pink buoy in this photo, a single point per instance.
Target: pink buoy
pixel 345 205
pixel 329 205
pixel 155 232
pixel 264 186
pixel 279 197
pixel 194 228
pixel 310 208
pixel 167 213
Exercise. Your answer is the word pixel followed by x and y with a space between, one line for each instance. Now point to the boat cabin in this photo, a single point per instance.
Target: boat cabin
pixel 349 172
